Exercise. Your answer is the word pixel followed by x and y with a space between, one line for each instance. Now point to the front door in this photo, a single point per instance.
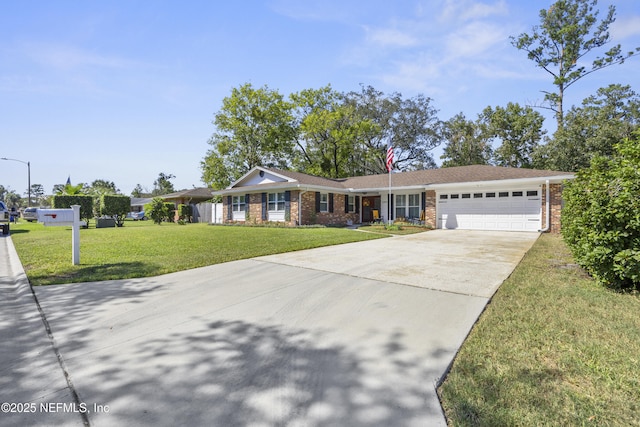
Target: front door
pixel 369 204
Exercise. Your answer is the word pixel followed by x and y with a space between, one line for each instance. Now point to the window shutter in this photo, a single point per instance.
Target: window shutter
pixel 317 201
pixel 331 202
pixel 246 201
pixel 357 204
pixel 390 198
pixel 346 203
pixel 229 208
pixel 423 204
pixel 264 206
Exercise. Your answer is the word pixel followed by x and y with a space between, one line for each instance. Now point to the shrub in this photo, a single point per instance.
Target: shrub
pixel 184 212
pixel 115 206
pixel 64 202
pixel 171 211
pixel 156 210
pixel 601 217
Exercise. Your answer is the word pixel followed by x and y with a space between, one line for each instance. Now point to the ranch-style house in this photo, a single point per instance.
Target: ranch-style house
pixel 477 197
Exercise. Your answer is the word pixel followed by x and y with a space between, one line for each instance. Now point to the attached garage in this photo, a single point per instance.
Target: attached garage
pixel 511 209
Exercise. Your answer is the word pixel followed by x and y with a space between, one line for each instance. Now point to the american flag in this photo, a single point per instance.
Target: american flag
pixel 389 157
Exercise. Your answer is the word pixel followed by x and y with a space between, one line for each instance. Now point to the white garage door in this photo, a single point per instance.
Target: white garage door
pixel 516 210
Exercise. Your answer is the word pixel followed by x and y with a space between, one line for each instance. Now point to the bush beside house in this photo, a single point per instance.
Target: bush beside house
pixel 601 217
pixel 185 212
pixel 159 210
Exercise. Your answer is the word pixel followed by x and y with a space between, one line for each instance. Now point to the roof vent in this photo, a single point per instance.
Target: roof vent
pixel 261 174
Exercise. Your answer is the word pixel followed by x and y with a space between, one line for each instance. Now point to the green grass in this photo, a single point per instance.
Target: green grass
pixel 552 348
pixel 398 229
pixel 143 249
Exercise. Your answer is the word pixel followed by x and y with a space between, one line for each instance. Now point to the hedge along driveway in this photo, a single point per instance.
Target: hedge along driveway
pixel 143 249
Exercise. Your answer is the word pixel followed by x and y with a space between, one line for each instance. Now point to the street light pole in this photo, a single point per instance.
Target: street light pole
pixel 28 177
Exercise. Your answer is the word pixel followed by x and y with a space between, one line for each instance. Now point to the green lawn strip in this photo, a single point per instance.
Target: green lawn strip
pixel 552 348
pixel 142 249
pixel 399 231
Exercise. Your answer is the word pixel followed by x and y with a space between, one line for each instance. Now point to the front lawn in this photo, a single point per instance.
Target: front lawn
pixel 142 249
pixel 552 348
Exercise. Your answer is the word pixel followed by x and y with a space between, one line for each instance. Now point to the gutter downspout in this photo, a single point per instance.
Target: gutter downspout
pixel 547 207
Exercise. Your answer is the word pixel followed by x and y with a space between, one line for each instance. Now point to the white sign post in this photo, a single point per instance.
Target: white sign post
pixel 65 218
pixel 75 234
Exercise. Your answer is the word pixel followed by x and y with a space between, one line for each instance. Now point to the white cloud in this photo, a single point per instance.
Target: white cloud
pixel 474 39
pixel 390 37
pixel 465 10
pixel 68 57
pixel 421 74
pixel 625 27
pixel 313 10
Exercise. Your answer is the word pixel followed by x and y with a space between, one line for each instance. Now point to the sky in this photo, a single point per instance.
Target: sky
pixel 124 90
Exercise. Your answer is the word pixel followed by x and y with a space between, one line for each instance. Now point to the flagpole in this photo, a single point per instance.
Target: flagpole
pixel 390 202
pixel 389 163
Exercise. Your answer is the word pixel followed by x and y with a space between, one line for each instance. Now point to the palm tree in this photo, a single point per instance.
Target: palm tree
pixel 70 190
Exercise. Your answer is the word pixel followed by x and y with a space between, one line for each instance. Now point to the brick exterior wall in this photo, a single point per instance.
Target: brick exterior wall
pixel 255 210
pixel 309 214
pixel 555 193
pixel 308 208
pixel 337 217
pixel 430 209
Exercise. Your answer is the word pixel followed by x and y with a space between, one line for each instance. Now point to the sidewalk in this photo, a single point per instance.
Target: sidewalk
pixel 33 388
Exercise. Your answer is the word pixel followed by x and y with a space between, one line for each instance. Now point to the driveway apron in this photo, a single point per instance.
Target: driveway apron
pixel 352 335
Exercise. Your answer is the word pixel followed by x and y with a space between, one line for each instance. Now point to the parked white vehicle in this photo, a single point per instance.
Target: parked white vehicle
pixel 30 214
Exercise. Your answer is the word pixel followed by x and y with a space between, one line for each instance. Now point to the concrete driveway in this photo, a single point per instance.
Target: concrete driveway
pixel 351 335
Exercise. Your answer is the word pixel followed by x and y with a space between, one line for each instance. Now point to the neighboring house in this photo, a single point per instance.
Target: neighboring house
pixel 194 197
pixel 189 197
pixel 137 203
pixel 477 197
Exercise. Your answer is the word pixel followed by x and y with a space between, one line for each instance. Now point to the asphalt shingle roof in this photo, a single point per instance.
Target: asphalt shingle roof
pixel 194 192
pixel 459 174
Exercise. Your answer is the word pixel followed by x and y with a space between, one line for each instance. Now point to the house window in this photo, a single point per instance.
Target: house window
pixel 238 203
pixel 532 193
pixel 276 202
pixel 401 206
pixel 414 206
pixel 490 195
pixel 444 196
pixel 324 202
pixel 466 196
pixel 477 195
pixel 517 194
pixel 503 194
pixel 455 196
pixel 351 203
pixel 407 206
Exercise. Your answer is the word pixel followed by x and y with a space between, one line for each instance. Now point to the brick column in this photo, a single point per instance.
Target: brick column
pixel 555 207
pixel 430 209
